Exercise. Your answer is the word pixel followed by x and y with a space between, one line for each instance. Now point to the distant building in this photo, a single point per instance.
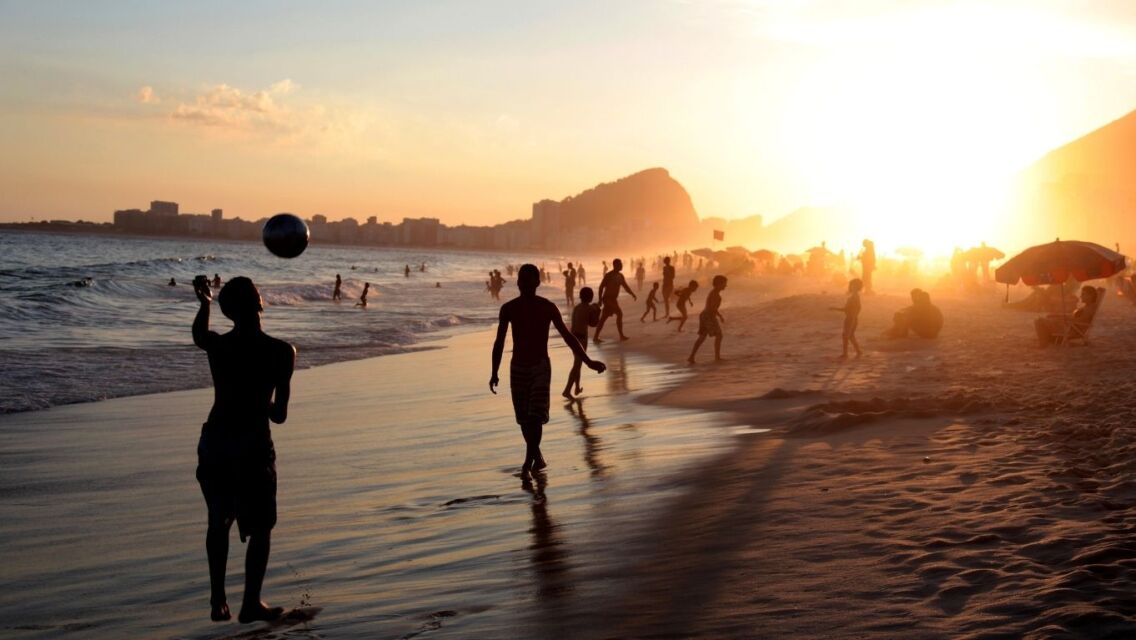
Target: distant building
pixel 545 228
pixel 162 208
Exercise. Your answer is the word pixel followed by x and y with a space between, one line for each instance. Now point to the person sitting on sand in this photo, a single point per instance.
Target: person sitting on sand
pixel 682 298
pixel 612 282
pixel 1053 328
pixel 363 298
pixel 530 372
pixel 851 310
pixel 652 307
pixel 581 314
pixel 337 294
pixel 236 459
pixel 922 317
pixel 709 321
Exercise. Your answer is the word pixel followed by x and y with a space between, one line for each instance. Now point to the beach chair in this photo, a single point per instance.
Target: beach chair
pixel 1079 333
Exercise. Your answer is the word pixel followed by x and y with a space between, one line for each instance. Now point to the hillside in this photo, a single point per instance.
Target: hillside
pixel 649 204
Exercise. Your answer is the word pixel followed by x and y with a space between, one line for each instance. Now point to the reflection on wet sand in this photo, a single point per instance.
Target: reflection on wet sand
pixel 592 443
pixel 549 552
pixel 616 372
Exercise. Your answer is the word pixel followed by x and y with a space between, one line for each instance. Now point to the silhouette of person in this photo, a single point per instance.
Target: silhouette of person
pixel 570 285
pixel 236 459
pixel 640 276
pixel 612 282
pixel 406 272
pixel 681 300
pixel 709 321
pixel 851 310
pixel 530 372
pixel 337 295
pixel 172 283
pixel 216 281
pixel 668 285
pixel 422 268
pixel 579 326
pixel 868 262
pixel 363 297
pixel 651 307
pixel 581 275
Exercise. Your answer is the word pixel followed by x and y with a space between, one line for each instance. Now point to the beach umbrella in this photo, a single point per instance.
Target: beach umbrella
pixel 704 253
pixel 1056 262
pixel 738 249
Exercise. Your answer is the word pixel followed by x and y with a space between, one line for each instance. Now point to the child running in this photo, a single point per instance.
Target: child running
pixel 682 298
pixel 709 320
pixel 580 330
pixel 851 311
pixel 651 306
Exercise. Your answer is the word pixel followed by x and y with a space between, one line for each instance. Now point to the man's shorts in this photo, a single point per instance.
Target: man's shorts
pixel 238 479
pixel 528 384
pixel 708 325
pixel 610 308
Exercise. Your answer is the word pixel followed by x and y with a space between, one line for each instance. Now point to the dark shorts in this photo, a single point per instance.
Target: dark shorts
pixel 583 338
pixel 238 479
pixel 610 308
pixel 708 325
pixel 528 384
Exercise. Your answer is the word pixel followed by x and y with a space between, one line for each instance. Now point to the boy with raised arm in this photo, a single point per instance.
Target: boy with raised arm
pixel 236 460
pixel 530 372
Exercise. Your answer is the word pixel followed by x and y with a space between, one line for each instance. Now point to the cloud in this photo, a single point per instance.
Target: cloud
pixel 146 95
pixel 228 107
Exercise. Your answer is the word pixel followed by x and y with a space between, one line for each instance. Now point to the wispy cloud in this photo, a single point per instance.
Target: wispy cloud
pixel 146 95
pixel 228 107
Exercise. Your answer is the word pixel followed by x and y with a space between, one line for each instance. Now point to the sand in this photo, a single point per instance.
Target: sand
pixel 970 486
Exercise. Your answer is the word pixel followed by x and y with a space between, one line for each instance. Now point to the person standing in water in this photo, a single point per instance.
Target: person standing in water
pixel 530 372
pixel 406 272
pixel 236 459
pixel 612 282
pixel 709 321
pixel 851 310
pixel 570 285
pixel 337 294
pixel 640 276
pixel 668 285
pixel 363 298
pixel 581 275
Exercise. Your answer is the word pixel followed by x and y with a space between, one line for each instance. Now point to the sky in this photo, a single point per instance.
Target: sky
pixel 472 111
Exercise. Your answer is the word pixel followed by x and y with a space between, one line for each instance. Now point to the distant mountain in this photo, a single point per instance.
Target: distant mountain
pixel 644 208
pixel 810 226
pixel 1085 189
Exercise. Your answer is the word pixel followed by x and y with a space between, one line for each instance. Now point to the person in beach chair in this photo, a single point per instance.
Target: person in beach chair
pixel 1066 329
pixel 530 372
pixel 236 459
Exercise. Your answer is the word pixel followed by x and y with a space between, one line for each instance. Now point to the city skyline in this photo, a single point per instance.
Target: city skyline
pixel 471 115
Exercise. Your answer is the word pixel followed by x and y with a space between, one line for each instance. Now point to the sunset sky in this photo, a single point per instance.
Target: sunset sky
pixel 470 111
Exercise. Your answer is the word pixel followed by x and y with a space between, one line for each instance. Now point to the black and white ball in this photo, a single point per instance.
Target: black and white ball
pixel 286 235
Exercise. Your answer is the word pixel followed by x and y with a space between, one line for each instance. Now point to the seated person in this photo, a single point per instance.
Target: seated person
pixel 1053 328
pixel 922 317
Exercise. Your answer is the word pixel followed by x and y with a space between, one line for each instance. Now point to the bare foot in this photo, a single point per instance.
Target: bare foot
pixel 622 338
pixel 220 612
pixel 259 611
pixel 539 464
pixel 843 356
pixel 596 340
pixel 690 359
pixel 719 359
pixel 568 395
pixel 579 390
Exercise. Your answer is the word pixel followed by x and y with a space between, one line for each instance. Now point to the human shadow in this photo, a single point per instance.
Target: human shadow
pixel 592 443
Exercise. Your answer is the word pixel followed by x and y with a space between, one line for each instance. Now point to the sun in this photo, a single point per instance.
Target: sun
pixel 920 144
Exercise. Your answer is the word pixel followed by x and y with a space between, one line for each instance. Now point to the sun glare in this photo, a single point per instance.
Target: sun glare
pixel 919 141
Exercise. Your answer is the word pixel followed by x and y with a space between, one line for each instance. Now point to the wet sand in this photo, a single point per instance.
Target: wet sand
pixel 400 514
pixel 970 486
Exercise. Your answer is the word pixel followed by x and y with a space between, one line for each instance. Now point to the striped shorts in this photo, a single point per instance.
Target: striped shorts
pixel 528 384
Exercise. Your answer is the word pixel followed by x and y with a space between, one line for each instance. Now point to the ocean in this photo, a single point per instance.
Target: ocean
pixel 86 318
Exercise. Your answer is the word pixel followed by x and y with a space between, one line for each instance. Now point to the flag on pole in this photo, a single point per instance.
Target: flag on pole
pixel 719 235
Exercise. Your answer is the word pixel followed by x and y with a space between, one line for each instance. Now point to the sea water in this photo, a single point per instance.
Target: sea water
pixel 87 317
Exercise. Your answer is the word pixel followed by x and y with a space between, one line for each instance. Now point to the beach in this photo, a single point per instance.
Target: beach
pixel 969 486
